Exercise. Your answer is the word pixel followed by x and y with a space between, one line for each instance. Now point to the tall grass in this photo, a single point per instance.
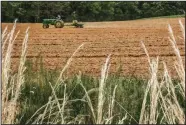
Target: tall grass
pixel 163 105
pixel 11 84
pixel 47 97
pixel 82 93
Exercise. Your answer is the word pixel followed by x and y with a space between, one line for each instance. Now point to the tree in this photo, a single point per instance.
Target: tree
pixel 36 11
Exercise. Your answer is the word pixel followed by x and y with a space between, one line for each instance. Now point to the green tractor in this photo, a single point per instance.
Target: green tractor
pixel 58 23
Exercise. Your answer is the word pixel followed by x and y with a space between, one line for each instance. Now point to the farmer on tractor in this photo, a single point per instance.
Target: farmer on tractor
pixel 58 17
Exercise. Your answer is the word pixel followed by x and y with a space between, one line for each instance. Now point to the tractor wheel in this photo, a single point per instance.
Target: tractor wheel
pixel 45 26
pixel 59 24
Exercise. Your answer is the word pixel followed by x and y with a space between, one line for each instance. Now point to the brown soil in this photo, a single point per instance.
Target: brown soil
pixel 121 39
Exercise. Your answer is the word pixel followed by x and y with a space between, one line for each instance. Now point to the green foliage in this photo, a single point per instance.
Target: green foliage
pixel 36 92
pixel 88 11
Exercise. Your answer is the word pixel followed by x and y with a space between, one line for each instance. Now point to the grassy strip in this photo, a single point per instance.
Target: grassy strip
pixel 36 92
pixel 128 100
pixel 171 16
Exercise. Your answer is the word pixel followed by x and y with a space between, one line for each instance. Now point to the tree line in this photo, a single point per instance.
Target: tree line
pixel 35 11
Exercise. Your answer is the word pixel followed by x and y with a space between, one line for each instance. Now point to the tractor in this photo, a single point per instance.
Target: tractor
pixel 59 23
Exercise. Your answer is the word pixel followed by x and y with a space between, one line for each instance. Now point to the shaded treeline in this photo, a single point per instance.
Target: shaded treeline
pixel 35 11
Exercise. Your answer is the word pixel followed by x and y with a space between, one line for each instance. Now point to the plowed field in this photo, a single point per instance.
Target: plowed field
pixel 120 38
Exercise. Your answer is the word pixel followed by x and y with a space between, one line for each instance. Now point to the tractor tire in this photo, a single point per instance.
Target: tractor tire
pixel 59 24
pixel 45 26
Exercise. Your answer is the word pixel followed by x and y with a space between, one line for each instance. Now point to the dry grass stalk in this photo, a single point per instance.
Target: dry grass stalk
pixel 61 109
pixel 169 104
pixel 67 65
pixel 88 100
pixel 101 98
pixel 179 64
pixel 11 85
pixel 152 88
pixel 111 106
